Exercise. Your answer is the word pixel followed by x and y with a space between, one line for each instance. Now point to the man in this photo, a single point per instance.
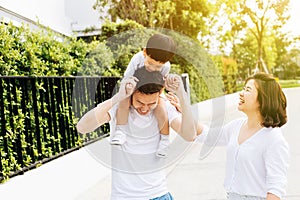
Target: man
pixel 136 171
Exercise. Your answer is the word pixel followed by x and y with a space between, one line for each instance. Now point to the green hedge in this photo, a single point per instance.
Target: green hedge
pixel 38 53
pixel 34 54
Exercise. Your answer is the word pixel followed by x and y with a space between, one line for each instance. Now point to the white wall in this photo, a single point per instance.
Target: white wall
pixel 63 16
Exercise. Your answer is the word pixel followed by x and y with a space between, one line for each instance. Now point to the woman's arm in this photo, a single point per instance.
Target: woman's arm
pixel 277 162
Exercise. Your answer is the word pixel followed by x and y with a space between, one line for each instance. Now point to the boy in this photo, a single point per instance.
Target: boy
pixel 155 57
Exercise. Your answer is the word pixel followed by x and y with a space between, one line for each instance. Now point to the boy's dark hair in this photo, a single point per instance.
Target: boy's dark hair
pixel 149 82
pixel 160 48
pixel 271 99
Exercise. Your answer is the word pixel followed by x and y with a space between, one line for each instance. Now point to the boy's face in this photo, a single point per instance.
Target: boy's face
pixel 152 65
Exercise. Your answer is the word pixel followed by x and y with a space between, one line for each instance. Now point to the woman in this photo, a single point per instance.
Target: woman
pixel 257 153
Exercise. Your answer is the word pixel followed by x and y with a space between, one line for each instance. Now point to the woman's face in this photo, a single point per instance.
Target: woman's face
pixel 248 98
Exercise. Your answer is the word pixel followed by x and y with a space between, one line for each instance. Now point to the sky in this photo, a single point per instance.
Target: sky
pixel 61 15
pixel 293 24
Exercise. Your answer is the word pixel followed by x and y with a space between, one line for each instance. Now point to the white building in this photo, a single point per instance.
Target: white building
pixel 67 17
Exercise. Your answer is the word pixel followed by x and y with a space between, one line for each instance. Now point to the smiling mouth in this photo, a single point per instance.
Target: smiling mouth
pixel 242 101
pixel 143 112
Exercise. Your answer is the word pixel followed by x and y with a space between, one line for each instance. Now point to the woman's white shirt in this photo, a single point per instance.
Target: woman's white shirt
pixel 258 165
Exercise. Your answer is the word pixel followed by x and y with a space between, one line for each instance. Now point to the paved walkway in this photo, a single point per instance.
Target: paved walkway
pixel 79 176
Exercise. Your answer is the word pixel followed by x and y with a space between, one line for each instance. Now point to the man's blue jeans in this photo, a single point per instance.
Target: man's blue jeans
pixel 167 196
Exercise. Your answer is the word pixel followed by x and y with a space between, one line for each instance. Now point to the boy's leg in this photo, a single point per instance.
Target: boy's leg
pixel 119 136
pixel 161 115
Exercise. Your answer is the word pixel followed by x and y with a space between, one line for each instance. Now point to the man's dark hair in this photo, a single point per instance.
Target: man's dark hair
pixel 149 82
pixel 160 48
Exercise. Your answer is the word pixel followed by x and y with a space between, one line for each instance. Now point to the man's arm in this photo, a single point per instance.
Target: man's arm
pixel 186 127
pixel 99 115
pixel 174 100
pixel 271 196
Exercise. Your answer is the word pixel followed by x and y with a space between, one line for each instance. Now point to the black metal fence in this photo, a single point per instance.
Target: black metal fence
pixel 38 117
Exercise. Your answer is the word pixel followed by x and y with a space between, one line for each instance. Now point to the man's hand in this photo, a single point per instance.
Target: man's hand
pixel 174 100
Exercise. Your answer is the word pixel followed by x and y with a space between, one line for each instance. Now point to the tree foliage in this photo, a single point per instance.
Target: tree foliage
pixel 24 52
pixel 245 55
pixel 258 18
pixel 38 53
pixel 123 39
pixel 183 16
pixel 262 17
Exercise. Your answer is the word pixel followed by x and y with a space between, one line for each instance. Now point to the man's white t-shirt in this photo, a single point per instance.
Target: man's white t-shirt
pixel 137 173
pixel 138 60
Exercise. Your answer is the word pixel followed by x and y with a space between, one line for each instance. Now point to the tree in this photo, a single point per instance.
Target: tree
pixel 186 17
pixel 223 28
pixel 281 42
pixel 189 17
pixel 262 17
pixel 231 20
pixel 245 56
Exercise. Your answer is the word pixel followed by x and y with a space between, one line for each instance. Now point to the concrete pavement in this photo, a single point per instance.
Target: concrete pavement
pixel 80 176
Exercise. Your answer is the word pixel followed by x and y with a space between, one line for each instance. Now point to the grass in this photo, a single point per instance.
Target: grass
pixel 283 84
pixel 289 83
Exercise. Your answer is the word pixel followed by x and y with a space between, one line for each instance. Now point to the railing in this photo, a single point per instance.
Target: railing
pixel 38 117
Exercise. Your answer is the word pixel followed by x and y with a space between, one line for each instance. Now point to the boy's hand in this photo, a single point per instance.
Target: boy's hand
pixel 174 83
pixel 127 87
pixel 130 88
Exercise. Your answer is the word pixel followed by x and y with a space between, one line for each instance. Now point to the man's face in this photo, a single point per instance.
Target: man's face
pixel 144 103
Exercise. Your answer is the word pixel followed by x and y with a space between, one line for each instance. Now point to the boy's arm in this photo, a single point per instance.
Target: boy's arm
pixel 166 69
pixel 136 60
pixel 123 108
pixel 185 126
pixel 99 115
pixel 161 115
